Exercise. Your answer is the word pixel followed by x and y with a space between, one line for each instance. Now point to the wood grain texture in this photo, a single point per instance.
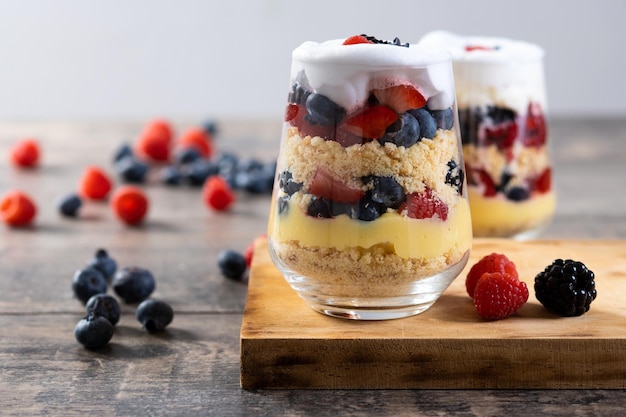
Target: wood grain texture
pixel 194 369
pixel 285 344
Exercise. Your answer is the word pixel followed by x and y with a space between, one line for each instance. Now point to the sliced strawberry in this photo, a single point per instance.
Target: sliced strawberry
pixel 470 48
pixel 487 181
pixel 353 40
pixel 503 135
pixel 542 183
pixel 291 112
pixel 370 122
pixel 535 128
pixel 325 185
pixel 346 138
pixel 400 98
pixel 306 128
pixel 424 205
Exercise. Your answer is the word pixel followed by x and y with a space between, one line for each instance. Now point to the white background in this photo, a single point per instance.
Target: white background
pixel 135 59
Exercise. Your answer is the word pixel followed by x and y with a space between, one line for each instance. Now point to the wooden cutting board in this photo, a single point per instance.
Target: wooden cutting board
pixel 285 344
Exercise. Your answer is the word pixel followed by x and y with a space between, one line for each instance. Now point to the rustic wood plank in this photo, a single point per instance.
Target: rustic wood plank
pixel 193 369
pixel 285 344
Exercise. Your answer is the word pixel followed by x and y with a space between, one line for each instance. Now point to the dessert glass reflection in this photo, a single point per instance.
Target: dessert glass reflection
pixel 369 217
pixel 502 110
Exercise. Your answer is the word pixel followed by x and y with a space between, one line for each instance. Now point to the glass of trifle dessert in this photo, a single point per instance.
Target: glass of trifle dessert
pixel 369 217
pixel 501 99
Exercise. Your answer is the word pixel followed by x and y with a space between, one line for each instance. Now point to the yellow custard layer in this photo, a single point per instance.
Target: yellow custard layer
pixel 498 217
pixel 406 237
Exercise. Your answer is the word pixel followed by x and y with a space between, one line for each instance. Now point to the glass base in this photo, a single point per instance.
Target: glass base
pixel 417 297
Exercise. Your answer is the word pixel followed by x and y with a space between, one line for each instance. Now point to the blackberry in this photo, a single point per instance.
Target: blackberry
pixel 566 287
pixel 455 176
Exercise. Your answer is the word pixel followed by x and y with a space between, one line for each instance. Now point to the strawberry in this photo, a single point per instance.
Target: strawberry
pixel 498 295
pixel 353 40
pixel 535 129
pixel 485 179
pixel 400 98
pixel 424 205
pixel 503 136
pixel 370 122
pixel 471 48
pixel 325 185
pixel 543 183
pixel 493 262
pixel 298 113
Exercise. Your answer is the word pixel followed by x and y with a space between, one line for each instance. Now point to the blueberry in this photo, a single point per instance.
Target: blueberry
pixel 443 118
pixel 428 125
pixel 131 169
pixel 298 94
pixel 335 208
pixel 319 207
pixel 227 162
pixel 103 263
pixel 283 204
pixel 322 110
pixel 198 171
pixel 133 284
pixel 211 127
pixel 386 191
pixel 500 114
pixel 232 264
pixel 186 155
pixel 123 151
pixel 69 205
pixel 93 331
pixel 518 194
pixel 88 282
pixel 367 209
pixel 405 132
pixel 104 305
pixel 287 183
pixel 154 315
pixel 171 175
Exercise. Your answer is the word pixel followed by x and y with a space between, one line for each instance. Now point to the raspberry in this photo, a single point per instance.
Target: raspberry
pixel 498 295
pixel 198 139
pixel 494 262
pixel 25 153
pixel 130 204
pixel 217 194
pixel 95 183
pixel 566 287
pixel 248 253
pixel 17 209
pixel 154 143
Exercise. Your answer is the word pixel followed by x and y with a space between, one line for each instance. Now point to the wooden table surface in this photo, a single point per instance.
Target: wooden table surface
pixel 193 368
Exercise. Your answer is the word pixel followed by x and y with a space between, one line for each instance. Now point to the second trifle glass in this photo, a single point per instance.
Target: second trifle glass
pixel 369 216
pixel 502 110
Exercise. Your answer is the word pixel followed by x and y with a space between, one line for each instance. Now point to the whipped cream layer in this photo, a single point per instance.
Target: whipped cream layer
pixel 347 73
pixel 493 70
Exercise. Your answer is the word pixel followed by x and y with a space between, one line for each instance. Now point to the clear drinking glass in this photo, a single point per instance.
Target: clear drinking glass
pixel 502 109
pixel 369 217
